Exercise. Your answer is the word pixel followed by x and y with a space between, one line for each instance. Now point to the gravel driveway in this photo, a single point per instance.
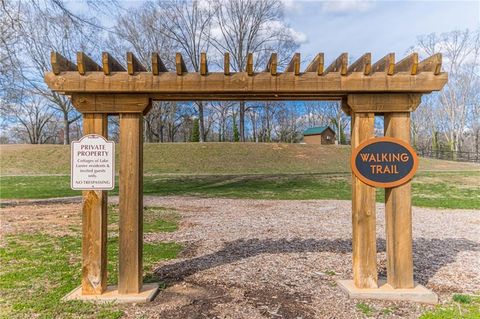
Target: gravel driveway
pixel 281 259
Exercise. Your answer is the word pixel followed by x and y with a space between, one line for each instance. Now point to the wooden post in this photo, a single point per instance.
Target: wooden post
pixel 94 222
pixel 131 203
pixel 363 212
pixel 398 214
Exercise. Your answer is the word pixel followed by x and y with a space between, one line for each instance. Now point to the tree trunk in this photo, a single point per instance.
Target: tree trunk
pixel 201 122
pixel 242 122
pixel 66 129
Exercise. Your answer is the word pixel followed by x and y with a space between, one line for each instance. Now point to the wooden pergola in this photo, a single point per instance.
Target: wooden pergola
pixel 365 89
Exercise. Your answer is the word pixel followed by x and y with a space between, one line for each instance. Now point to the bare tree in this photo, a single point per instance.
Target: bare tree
pixel 251 26
pixel 461 53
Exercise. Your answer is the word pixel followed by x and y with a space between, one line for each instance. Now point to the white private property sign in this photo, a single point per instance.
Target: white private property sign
pixel 93 163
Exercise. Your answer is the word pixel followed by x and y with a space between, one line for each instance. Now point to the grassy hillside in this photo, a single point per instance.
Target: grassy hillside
pixel 207 158
pixel 269 171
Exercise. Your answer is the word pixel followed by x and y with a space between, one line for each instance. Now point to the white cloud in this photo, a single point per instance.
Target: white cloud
pixel 344 6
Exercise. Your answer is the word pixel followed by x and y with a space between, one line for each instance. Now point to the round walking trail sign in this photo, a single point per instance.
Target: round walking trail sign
pixel 384 162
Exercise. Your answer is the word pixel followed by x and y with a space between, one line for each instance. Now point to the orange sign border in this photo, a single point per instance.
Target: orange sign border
pixel 373 140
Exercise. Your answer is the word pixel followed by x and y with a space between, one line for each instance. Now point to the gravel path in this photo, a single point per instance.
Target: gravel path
pixel 280 259
pixel 277 259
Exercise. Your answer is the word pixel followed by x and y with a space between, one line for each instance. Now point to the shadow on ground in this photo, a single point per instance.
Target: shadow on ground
pixel 438 252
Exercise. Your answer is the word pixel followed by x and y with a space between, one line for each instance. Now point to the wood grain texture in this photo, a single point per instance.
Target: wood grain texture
pixel 363 213
pixel 94 223
pixel 272 64
pixel 316 65
pixel 339 65
pixel 172 87
pixel 157 64
pixel 226 63
pixel 398 214
pixel 203 63
pixel 385 64
pixel 294 64
pixel 86 64
pixel 408 64
pixel 111 103
pixel 362 64
pixel 250 64
pixel 60 63
pixel 133 65
pixel 110 64
pixel 131 204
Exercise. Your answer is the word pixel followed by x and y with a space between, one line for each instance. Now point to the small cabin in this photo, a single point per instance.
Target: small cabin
pixel 319 135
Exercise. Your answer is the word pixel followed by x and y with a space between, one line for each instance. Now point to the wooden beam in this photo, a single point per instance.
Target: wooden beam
pixel 203 63
pixel 86 64
pixel 383 103
pixel 226 63
pixel 111 103
pixel 60 63
pixel 385 64
pixel 272 64
pixel 316 65
pixel 94 222
pixel 294 64
pixel 283 84
pixel 250 64
pixel 398 214
pixel 133 65
pixel 157 64
pixel 363 212
pixel 130 269
pixel 431 64
pixel 408 64
pixel 340 65
pixel 180 64
pixel 110 64
pixel 362 64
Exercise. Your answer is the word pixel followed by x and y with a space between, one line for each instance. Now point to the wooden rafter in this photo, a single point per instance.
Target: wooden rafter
pixel 86 64
pixel 385 64
pixel 203 63
pixel 408 64
pixel 226 63
pixel 294 64
pixel 272 64
pixel 340 65
pixel 267 85
pixel 110 64
pixel 157 64
pixel 363 64
pixel 250 64
pixel 316 65
pixel 431 64
pixel 61 64
pixel 180 65
pixel 133 65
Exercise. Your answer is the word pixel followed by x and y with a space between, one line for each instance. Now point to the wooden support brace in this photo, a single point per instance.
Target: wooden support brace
pixel 398 214
pixel 110 64
pixel 408 64
pixel 340 65
pixel 60 63
pixel 131 204
pixel 385 64
pixel 363 64
pixel 94 223
pixel 363 212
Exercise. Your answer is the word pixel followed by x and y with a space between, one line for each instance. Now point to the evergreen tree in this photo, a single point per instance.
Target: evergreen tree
pixel 195 137
pixel 236 135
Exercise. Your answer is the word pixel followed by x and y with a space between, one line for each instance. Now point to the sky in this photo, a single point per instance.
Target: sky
pixel 360 26
pixel 378 27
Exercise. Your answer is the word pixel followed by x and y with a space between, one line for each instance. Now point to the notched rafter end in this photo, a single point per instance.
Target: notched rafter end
pixel 180 65
pixel 60 63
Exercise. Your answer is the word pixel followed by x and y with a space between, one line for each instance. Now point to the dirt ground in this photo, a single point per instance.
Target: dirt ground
pixel 279 259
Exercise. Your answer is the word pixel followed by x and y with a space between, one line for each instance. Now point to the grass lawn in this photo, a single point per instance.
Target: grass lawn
pixel 455 189
pixel 38 269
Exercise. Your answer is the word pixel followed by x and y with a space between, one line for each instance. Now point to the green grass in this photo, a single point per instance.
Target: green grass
pixel 366 309
pixel 37 270
pixel 430 189
pixel 461 307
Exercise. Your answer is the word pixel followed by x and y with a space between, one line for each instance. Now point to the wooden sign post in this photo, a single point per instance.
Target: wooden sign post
pixel 383 88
